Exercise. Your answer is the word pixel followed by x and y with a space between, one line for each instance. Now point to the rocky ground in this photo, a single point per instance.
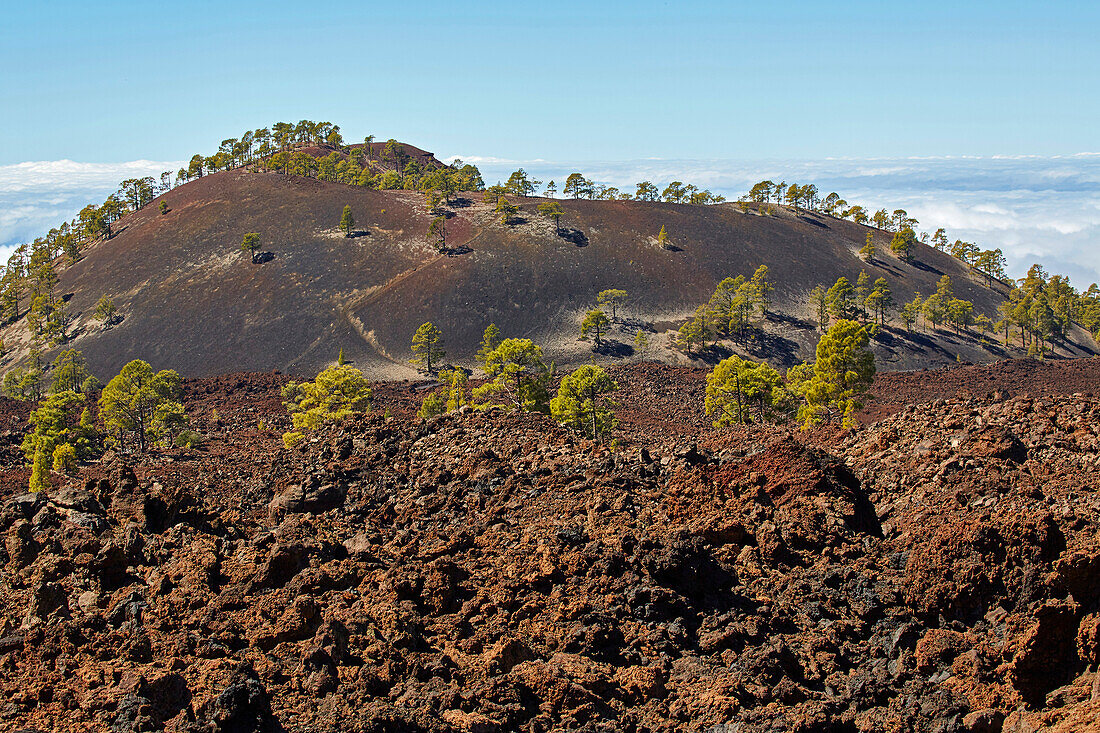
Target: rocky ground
pixel 936 569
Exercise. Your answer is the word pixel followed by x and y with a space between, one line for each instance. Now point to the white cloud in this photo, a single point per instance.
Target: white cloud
pixel 38 195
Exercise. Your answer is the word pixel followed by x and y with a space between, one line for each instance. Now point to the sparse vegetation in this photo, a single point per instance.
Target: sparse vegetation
pixel 662 238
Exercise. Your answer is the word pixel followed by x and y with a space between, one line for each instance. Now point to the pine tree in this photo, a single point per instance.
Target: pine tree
pixel 347 221
pixel 761 289
pixel 106 311
pixel 840 298
pixel 613 299
pixel 867 254
pixel 426 346
pixel 250 243
pixel 490 340
pixel 552 210
pixel 517 373
pixel 338 393
pixel 142 405
pixel 819 302
pixel 507 211
pixel 437 234
pixel 581 402
pixel 736 388
pixel 880 301
pixel 662 238
pixel 843 370
pixel 902 244
pixel 860 293
pixel 911 311
pixel 596 322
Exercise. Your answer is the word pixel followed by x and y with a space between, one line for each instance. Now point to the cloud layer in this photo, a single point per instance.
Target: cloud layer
pixel 36 196
pixel 1037 209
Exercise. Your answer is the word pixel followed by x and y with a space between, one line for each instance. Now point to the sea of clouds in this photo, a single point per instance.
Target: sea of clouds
pixel 1036 209
pixel 37 196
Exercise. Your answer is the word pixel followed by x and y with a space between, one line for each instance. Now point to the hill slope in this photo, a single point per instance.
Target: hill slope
pixel 190 300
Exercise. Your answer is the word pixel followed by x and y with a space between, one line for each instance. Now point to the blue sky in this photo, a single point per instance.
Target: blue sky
pixel 584 80
pixel 931 97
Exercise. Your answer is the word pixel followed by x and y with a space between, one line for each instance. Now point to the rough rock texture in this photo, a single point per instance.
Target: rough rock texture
pixel 938 570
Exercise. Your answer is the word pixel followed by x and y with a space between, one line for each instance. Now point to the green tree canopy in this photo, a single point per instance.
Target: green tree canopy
pixel 57 427
pixel 347 221
pixel 662 238
pixel 250 243
pixel 69 371
pixel 612 299
pixel 106 311
pixel 595 322
pixel 552 210
pixel 507 211
pixel 581 402
pixel 518 374
pixel 761 289
pixel 426 346
pixel 141 406
pixel 646 191
pixel 577 186
pixel 867 253
pixel 490 339
pixel 842 371
pixel 738 388
pixel 337 394
pixel 841 299
pixel 520 184
pixel 903 243
pixel 437 234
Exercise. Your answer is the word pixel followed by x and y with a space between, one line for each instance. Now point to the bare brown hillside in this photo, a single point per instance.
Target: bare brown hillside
pixel 191 300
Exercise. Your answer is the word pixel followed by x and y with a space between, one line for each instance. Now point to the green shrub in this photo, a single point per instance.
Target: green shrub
pixel 189 439
pixel 435 403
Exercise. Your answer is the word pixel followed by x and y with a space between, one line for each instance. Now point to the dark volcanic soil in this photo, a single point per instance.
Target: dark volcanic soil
pixel 189 299
pixel 935 570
